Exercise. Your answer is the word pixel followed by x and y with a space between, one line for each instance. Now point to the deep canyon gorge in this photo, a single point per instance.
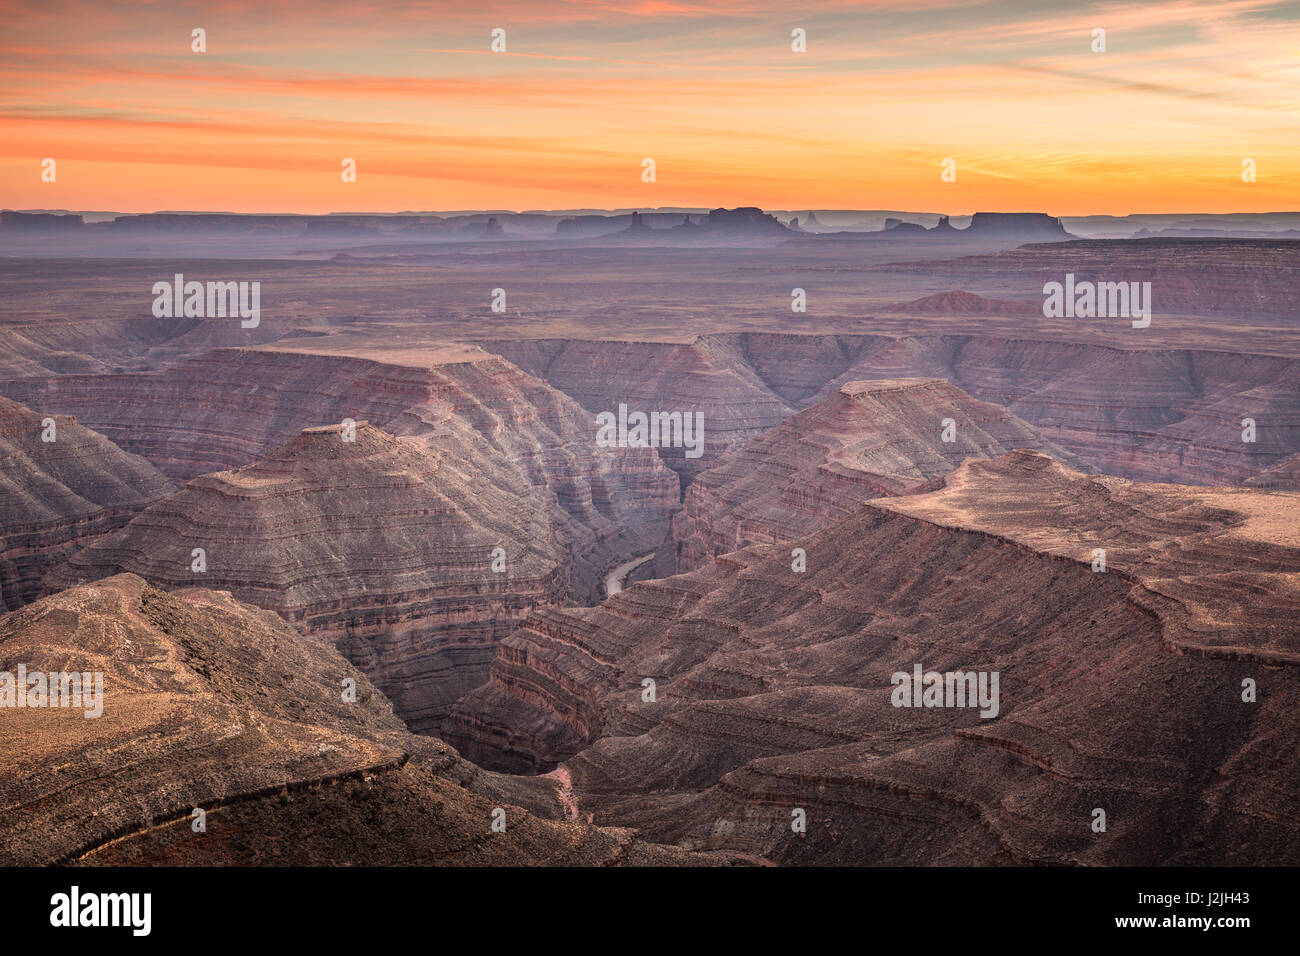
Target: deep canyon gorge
pixel 643 657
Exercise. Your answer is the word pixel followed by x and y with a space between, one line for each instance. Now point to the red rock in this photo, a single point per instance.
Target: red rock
pixel 383 546
pixel 489 457
pixel 1153 414
pixel 231 406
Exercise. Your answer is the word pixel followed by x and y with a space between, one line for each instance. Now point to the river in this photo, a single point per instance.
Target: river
pixel 614 580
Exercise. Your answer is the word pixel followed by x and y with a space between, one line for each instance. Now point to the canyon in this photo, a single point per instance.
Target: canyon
pixel 383 543
pixel 1152 414
pixel 384 550
pixel 869 439
pixel 300 776
pixel 642 656
pixel 1123 690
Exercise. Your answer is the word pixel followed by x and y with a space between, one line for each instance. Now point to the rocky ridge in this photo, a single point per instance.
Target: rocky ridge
pixel 1124 691
pixel 57 496
pixel 212 705
pixel 1148 414
pixel 867 440
pixel 386 547
pixel 228 407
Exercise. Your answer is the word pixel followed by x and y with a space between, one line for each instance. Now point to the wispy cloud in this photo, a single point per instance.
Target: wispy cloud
pixel 1009 88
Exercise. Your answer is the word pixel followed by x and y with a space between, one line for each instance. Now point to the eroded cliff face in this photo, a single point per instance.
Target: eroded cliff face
pixel 59 495
pixel 231 406
pixel 302 775
pixel 1152 414
pixel 1120 690
pixel 383 545
pixel 1284 476
pixel 413 562
pixel 1188 276
pixel 867 440
pixel 654 376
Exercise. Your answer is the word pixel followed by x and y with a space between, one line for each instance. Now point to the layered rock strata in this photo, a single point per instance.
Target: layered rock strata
pixel 1161 690
pixel 1153 414
pixel 211 705
pixel 1188 276
pixel 231 406
pixel 867 440
pixel 385 547
pixel 411 560
pixel 1284 476
pixel 656 377
pixel 59 495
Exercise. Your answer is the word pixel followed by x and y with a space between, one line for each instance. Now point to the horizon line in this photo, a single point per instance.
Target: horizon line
pixel 668 210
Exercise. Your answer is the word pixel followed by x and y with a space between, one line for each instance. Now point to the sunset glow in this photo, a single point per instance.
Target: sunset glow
pixel 1035 119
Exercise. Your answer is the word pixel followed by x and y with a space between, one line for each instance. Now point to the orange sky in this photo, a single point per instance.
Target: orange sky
pixel 1013 92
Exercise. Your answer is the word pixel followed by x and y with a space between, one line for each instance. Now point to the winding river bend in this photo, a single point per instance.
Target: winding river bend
pixel 614 580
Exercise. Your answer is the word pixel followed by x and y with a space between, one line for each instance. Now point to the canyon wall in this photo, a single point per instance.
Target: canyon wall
pixel 59 495
pixel 1231 277
pixel 868 439
pixel 1153 414
pixel 230 406
pixel 383 545
pixel 1119 689
pixel 654 376
pixel 375 544
pixel 213 705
